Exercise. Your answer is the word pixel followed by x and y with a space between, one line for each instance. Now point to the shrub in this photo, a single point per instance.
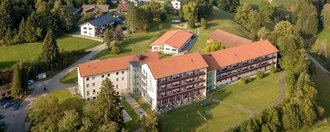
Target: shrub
pixel 245 80
pixel 260 75
pixel 273 69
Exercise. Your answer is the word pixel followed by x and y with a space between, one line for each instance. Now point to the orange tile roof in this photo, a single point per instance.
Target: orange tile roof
pixel 177 64
pixel 234 55
pixel 228 39
pixel 114 64
pixel 174 38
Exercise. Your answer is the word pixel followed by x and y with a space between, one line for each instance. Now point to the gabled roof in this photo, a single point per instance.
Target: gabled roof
pixel 174 38
pixel 114 64
pixel 228 39
pixel 176 65
pixel 104 8
pixel 102 20
pixel 234 55
pixel 123 7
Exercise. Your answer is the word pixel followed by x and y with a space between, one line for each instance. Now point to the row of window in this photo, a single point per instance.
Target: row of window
pixel 108 75
pixel 94 91
pixel 88 28
pixel 117 79
pixel 168 49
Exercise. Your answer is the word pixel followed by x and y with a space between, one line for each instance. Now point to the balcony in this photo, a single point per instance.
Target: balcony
pixel 245 71
pixel 246 64
pixel 187 76
pixel 181 85
pixel 180 93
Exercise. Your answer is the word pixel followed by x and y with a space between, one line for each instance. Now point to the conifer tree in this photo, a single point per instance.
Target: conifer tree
pixel 16 88
pixel 149 122
pixel 50 53
pixel 108 102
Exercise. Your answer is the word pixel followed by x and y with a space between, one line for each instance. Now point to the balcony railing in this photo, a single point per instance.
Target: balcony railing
pixel 247 64
pixel 181 85
pixel 180 93
pixel 181 78
pixel 242 72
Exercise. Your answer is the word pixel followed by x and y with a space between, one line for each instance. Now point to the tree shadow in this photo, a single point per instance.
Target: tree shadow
pixel 74 103
pixel 209 25
pixel 7 64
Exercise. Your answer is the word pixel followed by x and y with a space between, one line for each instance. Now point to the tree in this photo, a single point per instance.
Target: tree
pixel 6 16
pixel 118 34
pixel 306 18
pixel 263 33
pixel 31 32
pixel 137 18
pixel 101 2
pixel 214 46
pixel 228 5
pixel 254 24
pixel 149 123
pixel 266 10
pixel 154 7
pixel 167 6
pixel 163 16
pixel 69 122
pixel 283 28
pixel 41 6
pixel 203 24
pixel 326 16
pixel 108 36
pixel 16 88
pixel 190 13
pixel 108 102
pixel 242 15
pixel 50 53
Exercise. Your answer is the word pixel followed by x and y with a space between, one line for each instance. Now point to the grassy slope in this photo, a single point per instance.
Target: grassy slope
pixel 138 43
pixel 322 82
pixel 70 78
pixel 274 2
pixel 134 123
pixel 265 91
pixel 255 95
pixel 219 19
pixel 142 103
pixel 9 55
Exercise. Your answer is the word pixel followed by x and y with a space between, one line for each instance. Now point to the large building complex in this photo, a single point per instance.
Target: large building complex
pixel 179 79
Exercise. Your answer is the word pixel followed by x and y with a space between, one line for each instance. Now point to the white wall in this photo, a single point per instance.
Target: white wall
pixel 81 84
pixel 151 85
pixel 87 30
pixel 95 83
pixel 166 49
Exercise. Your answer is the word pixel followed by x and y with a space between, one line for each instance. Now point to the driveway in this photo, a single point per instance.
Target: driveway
pixel 317 64
pixel 15 120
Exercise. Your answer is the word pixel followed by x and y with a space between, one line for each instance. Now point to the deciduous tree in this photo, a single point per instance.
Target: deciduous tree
pixel 190 13
pixel 214 46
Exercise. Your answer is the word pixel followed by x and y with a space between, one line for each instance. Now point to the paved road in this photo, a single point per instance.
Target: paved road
pixel 15 120
pixel 318 65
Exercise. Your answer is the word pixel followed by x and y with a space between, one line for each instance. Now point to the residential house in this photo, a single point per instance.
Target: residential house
pixel 176 4
pixel 97 25
pixel 137 2
pixel 227 39
pixel 95 9
pixel 172 42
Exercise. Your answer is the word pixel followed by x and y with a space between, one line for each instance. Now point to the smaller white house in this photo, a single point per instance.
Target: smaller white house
pixel 172 42
pixel 176 4
pixel 97 25
pixel 136 2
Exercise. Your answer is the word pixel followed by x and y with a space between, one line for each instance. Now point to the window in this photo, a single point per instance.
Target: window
pixel 108 75
pixel 168 49
pixel 122 78
pixel 90 29
pixel 85 27
pixel 155 48
pixel 85 32
pixel 102 76
pixel 87 85
pixel 173 49
pixel 122 72
pixel 93 84
pixel 94 97
pixel 87 79
pixel 93 78
pixel 117 73
pixel 116 86
pixel 117 79
pixel 87 92
pixel 94 91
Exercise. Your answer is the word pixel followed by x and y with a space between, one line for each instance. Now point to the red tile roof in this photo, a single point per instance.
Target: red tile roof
pixel 177 64
pixel 114 64
pixel 234 55
pixel 174 38
pixel 228 39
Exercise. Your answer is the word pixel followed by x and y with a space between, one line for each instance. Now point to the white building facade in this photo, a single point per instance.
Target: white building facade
pixel 176 4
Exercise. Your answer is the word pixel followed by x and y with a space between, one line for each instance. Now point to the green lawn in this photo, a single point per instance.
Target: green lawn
pixel 254 95
pixel 9 55
pixel 70 78
pixel 67 101
pixel 219 19
pixel 138 43
pixel 142 103
pixel 134 123
pixel 322 82
pixel 255 3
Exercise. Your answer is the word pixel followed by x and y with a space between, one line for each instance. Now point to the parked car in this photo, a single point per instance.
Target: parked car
pixel 4 99
pixel 30 82
pixel 16 106
pixel 2 116
pixel 4 102
pixel 2 125
pixel 7 105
